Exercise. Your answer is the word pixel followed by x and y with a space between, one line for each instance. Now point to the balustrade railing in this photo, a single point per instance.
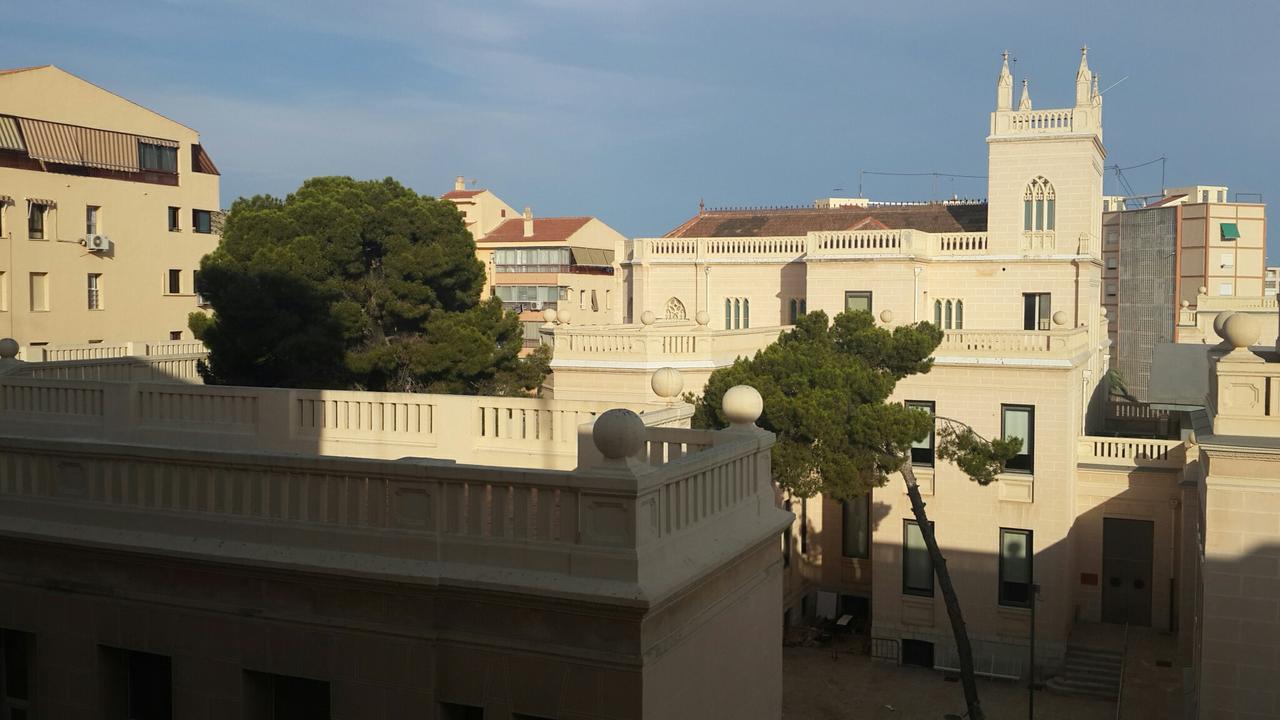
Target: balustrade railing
pixel 1041 121
pixel 1131 452
pixel 1012 341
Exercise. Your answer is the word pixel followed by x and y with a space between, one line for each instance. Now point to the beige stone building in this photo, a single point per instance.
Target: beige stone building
pixel 567 266
pixel 1016 284
pixel 175 550
pixel 106 208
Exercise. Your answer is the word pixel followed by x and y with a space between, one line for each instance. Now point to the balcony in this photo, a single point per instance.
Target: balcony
pixel 572 269
pixel 1129 453
pixel 520 306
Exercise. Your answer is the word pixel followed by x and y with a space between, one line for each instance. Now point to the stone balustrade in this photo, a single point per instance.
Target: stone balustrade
pixel 852 244
pixel 508 431
pixel 678 345
pixel 1013 343
pixel 1131 453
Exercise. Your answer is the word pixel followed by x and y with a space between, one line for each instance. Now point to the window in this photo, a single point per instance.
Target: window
pixel 39 292
pixel 1015 567
pixel 1204 196
pixel 536 296
pixel 922 450
pixel 737 313
pixel 1228 260
pixel 16 653
pixel 746 312
pixel 195 285
pixel 91 219
pixel 35 221
pixel 582 299
pixel 1112 289
pixel 1020 421
pixel 201 221
pixel 595 305
pixel 175 334
pixel 174 285
pixel 456 711
pixel 855 530
pixel 948 314
pixel 917 566
pixel 95 291
pixel 157 158
pixel 797 309
pixel 728 314
pixel 857 300
pixel 1230 231
pixel 4 292
pixel 281 697
pixel 1038 206
pixel 136 685
pixel 608 299
pixel 1222 196
pixel 1225 289
pixel 804 526
pixel 1036 311
pixel 1111 263
pixel 174 216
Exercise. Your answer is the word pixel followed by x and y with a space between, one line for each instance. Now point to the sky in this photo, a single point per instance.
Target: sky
pixel 634 110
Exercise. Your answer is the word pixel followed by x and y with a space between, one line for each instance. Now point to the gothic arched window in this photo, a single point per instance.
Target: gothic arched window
pixel 1037 206
pixel 675 309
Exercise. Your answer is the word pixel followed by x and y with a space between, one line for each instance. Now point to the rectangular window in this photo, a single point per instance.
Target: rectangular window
pixel 1111 263
pixel 922 450
pixel 1225 289
pixel 1204 196
pixel 174 284
pixel 16 653
pixel 1049 222
pixel 39 292
pixel 917 566
pixel 948 314
pixel 4 292
pixel 1228 260
pixel 1112 289
pixel 175 334
pixel 1020 421
pixel 1229 231
pixel 857 300
pixel 201 221
pixel 136 685
pixel 1222 196
pixel 157 158
pixel 95 291
pixel 855 530
pixel 1015 567
pixel 175 216
pixel 1039 214
pixel 35 221
pixel 91 219
pixel 1026 216
pixel 1036 310
pixel 282 697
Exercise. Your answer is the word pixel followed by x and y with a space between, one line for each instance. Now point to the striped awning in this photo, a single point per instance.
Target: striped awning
pixel 42 201
pixel 109 150
pixel 158 141
pixel 10 138
pixel 51 142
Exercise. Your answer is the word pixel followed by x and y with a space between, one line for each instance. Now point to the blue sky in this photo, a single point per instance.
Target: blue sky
pixel 632 110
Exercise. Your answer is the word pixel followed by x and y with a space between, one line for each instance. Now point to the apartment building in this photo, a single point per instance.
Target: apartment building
pixel 1158 257
pixel 106 208
pixel 560 267
pixel 1271 281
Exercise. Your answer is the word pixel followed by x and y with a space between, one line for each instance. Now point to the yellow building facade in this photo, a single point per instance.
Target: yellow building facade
pixel 106 208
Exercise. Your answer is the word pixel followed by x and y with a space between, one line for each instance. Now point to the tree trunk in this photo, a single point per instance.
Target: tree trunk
pixel 958 631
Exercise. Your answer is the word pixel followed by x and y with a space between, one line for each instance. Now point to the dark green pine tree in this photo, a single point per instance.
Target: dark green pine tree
pixel 356 284
pixel 826 389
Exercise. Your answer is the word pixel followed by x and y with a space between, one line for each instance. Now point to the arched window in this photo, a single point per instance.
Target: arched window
pixel 728 314
pixel 959 314
pixel 937 313
pixel 949 320
pixel 795 309
pixel 1038 206
pixel 675 309
pixel 737 313
pixel 746 313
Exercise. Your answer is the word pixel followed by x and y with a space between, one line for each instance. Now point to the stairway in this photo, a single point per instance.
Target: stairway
pixel 1089 671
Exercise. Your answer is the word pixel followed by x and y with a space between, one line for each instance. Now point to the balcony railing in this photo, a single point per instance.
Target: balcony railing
pixel 519 306
pixel 574 269
pixel 1131 453
pixel 1013 342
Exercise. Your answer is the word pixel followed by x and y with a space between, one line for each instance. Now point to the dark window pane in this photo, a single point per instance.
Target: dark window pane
pixel 854 531
pixel 917 566
pixel 1015 567
pixel 922 451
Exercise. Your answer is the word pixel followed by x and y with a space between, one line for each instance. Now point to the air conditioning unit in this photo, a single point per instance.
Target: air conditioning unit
pixel 97 243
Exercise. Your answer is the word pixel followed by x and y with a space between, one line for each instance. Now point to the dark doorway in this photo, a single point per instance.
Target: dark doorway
pixel 917 652
pixel 1126 570
pixel 282 697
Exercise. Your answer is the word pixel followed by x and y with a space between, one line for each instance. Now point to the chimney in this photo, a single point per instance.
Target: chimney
pixel 459 183
pixel 528 221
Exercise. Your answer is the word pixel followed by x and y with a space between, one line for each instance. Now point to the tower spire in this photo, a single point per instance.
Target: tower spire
pixel 1025 102
pixel 1084 79
pixel 1004 84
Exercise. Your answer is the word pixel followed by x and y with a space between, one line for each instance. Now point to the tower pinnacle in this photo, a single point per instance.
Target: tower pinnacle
pixel 1025 102
pixel 1084 80
pixel 1004 85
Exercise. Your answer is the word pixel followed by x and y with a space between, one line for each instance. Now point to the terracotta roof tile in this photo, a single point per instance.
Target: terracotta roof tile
pixel 931 217
pixel 460 194
pixel 545 230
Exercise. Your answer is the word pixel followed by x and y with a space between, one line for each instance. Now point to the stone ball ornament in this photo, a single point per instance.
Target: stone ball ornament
pixel 667 382
pixel 647 318
pixel 1220 322
pixel 702 318
pixel 563 316
pixel 1202 290
pixel 618 433
pixel 1185 304
pixel 742 405
pixel 549 315
pixel 1241 331
pixel 886 316
pixel 1060 318
pixel 8 348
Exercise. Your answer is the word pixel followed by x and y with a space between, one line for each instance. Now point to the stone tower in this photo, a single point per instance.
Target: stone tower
pixel 1045 168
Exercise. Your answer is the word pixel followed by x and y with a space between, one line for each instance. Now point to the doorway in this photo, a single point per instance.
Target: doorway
pixel 1126 570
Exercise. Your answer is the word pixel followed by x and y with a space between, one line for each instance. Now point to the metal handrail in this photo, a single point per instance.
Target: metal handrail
pixel 1124 659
